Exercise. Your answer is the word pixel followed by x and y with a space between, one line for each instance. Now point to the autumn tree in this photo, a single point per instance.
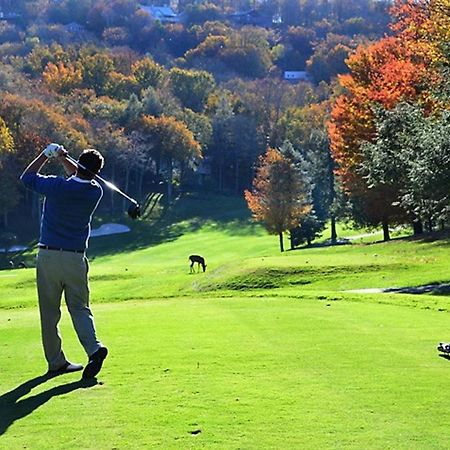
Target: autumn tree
pixel 120 86
pixel 305 128
pixel 191 87
pixel 6 139
pixel 170 141
pixel 298 48
pixel 96 71
pixel 201 13
pixel 41 55
pixel 35 117
pixel 9 192
pixel 278 198
pixel 147 72
pixel 247 51
pixel 265 100
pixel 328 59
pixel 62 78
pixel 393 70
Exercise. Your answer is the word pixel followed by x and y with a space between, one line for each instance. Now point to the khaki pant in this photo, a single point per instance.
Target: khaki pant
pixel 58 272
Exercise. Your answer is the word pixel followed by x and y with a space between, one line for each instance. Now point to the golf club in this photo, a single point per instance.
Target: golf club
pixel 134 211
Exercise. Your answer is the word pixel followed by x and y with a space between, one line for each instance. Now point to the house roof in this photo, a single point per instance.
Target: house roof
pixel 160 12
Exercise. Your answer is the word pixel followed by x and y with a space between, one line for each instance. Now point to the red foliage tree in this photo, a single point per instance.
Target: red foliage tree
pixel 392 70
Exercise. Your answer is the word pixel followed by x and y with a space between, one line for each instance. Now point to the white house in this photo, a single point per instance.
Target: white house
pixel 296 75
pixel 165 14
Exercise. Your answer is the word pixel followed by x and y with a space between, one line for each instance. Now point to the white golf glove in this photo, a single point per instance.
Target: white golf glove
pixel 53 151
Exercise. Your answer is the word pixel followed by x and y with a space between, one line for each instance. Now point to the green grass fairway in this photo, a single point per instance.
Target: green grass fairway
pixel 263 351
pixel 265 373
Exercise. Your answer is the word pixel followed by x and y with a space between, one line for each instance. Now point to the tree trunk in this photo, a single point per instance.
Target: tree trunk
pixel 333 230
pixel 417 228
pixel 169 181
pixel 386 236
pixel 182 168
pixel 280 235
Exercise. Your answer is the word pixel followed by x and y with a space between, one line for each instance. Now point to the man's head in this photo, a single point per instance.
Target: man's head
pixel 93 161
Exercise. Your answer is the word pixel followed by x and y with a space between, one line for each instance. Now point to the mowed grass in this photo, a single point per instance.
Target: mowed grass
pixel 248 264
pixel 263 351
pixel 235 373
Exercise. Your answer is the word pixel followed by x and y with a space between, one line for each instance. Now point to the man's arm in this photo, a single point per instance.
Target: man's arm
pixel 53 151
pixel 69 167
pixel 36 165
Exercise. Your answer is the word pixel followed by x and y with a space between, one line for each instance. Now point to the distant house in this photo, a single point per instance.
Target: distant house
pixel 277 19
pixel 250 17
pixel 74 27
pixel 9 17
pixel 296 75
pixel 164 14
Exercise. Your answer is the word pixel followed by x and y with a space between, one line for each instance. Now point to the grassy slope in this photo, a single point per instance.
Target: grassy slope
pixel 254 353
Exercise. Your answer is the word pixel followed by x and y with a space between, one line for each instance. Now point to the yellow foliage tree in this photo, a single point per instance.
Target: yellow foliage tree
pixel 62 78
pixel 6 139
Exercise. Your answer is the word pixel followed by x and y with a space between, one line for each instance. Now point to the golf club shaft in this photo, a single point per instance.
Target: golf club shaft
pixel 105 182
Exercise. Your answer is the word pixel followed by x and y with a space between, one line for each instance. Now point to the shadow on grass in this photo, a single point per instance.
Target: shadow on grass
pixel 439 288
pixel 188 214
pixel 160 224
pixel 12 408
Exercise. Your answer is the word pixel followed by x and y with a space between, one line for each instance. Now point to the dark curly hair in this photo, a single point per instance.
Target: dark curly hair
pixel 92 160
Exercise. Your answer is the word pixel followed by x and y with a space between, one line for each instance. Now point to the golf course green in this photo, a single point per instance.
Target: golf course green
pixel 262 351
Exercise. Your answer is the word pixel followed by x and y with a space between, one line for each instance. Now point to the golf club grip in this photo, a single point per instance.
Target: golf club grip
pixel 99 178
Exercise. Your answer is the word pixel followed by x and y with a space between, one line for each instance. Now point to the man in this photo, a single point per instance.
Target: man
pixel 61 262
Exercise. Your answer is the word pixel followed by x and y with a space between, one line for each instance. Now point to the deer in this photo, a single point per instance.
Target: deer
pixel 200 262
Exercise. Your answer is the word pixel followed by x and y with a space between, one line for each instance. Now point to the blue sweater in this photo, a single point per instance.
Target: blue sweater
pixel 68 208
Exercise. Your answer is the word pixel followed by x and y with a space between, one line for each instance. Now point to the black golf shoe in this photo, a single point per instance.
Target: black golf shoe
pixel 95 363
pixel 67 367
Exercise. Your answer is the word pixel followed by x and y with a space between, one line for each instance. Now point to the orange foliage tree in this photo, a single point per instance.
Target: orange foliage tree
pixel 62 78
pixel 32 116
pixel 279 197
pixel 398 68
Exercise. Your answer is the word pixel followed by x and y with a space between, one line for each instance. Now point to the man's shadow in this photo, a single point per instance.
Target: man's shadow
pixel 12 408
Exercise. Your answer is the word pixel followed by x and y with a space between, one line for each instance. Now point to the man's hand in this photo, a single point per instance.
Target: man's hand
pixel 54 151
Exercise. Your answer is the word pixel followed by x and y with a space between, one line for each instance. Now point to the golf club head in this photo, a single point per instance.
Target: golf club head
pixel 134 211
